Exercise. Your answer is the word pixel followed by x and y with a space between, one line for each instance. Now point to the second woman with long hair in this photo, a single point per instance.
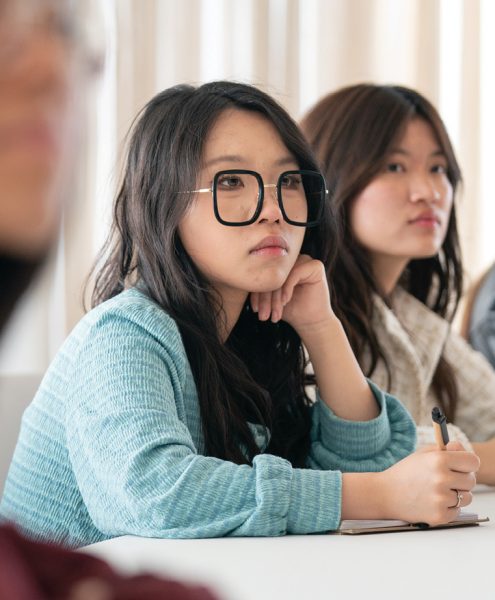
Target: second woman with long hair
pixel 398 274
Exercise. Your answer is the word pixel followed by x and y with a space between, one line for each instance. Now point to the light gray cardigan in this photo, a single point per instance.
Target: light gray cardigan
pixel 413 338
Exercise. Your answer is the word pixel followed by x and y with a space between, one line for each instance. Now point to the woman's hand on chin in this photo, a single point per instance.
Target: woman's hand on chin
pixel 303 301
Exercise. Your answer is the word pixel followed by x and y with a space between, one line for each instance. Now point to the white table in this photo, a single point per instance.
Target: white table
pixel 441 565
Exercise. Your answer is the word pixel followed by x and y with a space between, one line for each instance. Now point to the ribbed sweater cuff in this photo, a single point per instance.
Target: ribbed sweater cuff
pixel 315 503
pixel 357 439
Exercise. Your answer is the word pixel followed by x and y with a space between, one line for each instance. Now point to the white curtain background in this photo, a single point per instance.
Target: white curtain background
pixel 297 50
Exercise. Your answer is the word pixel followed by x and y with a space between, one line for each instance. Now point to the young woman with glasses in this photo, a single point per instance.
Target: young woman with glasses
pixel 398 275
pixel 178 406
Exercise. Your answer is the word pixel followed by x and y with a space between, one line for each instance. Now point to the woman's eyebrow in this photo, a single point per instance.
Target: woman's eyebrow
pixel 224 158
pixel 404 152
pixel 285 160
pixel 439 153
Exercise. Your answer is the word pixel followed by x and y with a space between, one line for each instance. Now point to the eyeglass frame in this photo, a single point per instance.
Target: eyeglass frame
pixel 261 194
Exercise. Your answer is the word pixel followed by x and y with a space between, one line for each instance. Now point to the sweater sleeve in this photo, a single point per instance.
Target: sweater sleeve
pixel 482 335
pixel 482 319
pixel 362 446
pixel 137 466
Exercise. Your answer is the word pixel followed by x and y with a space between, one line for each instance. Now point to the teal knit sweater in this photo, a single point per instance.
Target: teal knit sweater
pixel 112 445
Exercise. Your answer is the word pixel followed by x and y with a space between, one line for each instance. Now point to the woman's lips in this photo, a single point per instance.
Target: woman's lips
pixel 269 251
pixel 427 220
pixel 271 246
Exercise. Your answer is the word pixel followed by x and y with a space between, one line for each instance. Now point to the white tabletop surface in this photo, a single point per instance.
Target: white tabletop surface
pixel 438 564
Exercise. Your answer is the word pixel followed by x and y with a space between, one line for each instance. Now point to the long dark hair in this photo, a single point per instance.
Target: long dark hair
pixel 257 376
pixel 352 132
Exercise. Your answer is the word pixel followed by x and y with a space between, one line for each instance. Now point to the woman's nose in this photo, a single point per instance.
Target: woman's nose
pixel 423 189
pixel 271 209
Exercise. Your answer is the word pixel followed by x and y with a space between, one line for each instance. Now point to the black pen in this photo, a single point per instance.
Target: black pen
pixel 440 427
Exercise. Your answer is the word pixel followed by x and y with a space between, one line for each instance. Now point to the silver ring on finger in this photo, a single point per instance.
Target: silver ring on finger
pixel 459 499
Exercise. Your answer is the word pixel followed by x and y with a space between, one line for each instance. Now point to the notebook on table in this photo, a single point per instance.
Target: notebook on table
pixel 363 526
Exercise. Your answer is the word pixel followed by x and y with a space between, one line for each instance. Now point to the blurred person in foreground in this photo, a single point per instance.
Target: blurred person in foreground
pixel 40 62
pixel 43 64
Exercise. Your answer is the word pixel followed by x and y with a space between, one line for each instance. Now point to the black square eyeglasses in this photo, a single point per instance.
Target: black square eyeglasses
pixel 238 196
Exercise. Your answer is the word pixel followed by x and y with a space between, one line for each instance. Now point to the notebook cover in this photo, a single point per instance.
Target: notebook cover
pixel 409 527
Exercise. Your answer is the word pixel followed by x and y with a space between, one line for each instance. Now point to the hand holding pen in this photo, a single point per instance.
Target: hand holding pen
pixel 432 484
pixel 442 439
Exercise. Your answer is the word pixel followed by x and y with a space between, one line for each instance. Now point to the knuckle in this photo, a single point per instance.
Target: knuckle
pixel 437 461
pixel 439 483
